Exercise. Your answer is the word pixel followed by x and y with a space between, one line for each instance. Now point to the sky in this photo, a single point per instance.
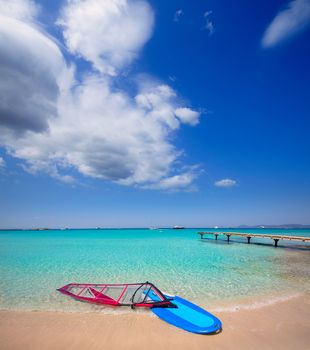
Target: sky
pixel 135 113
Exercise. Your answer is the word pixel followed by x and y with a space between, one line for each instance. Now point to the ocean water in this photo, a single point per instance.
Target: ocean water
pixel 33 264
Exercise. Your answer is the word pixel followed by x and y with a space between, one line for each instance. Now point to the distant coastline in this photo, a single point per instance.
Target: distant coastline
pixel 282 226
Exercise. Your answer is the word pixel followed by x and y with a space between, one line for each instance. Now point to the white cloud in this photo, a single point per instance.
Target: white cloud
pixel 225 183
pixel 107 33
pixel 209 26
pixel 177 15
pixel 56 124
pixel 103 133
pixel 160 103
pixel 19 9
pixel 287 23
pixel 31 70
pixel 2 163
pixel 187 115
pixel 177 182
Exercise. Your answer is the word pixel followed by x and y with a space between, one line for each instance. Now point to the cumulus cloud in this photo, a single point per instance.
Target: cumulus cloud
pixel 177 15
pixel 103 133
pixel 225 183
pixel 107 33
pixel 187 115
pixel 209 26
pixel 19 9
pixel 290 21
pixel 59 124
pixel 160 103
pixel 31 69
pixel 176 182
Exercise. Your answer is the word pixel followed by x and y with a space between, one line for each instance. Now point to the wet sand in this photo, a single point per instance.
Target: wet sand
pixel 283 325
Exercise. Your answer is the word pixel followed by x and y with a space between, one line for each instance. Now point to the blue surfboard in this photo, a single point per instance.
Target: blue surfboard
pixel 188 316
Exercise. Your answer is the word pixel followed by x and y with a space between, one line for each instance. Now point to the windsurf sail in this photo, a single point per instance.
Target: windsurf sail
pixel 172 309
pixel 131 294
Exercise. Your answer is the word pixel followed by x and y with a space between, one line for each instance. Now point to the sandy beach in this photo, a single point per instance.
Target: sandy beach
pixel 283 325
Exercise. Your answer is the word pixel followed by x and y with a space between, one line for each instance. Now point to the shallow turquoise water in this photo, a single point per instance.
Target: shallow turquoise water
pixel 34 263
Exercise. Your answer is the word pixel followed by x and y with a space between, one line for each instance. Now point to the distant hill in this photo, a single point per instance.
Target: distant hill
pixel 284 226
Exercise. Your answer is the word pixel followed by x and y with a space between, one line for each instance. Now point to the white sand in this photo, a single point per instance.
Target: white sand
pixel 284 325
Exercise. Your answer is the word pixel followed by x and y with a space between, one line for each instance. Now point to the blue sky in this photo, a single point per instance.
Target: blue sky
pixel 135 113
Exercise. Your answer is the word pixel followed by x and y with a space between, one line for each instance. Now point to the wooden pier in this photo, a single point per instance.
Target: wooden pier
pixel 248 236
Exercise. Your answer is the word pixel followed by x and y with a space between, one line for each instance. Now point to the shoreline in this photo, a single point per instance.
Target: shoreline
pixel 282 325
pixel 234 305
pixel 258 303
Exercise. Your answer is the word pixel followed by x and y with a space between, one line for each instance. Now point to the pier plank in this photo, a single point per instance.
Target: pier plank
pixel 275 238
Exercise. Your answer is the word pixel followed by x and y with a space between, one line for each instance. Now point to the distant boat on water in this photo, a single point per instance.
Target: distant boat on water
pixel 178 227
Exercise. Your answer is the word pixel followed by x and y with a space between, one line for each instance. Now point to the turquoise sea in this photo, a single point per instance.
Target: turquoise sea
pixel 34 263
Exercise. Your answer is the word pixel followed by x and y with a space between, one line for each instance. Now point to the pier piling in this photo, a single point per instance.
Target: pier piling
pixel 275 238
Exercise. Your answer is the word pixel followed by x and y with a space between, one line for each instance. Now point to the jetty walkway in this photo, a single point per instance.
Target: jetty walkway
pixel 275 238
